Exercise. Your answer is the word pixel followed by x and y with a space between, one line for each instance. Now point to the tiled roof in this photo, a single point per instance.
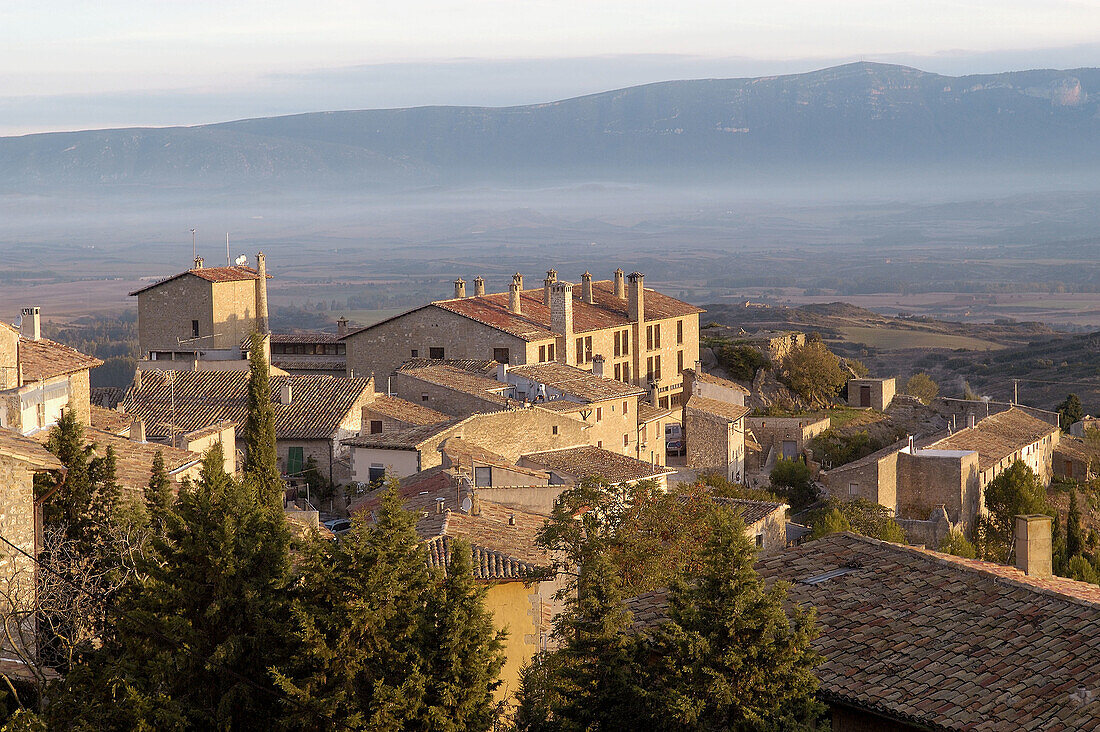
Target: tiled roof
pixel 406 411
pixel 503 539
pixel 533 324
pixel 286 361
pixel 998 436
pixel 212 429
pixel 107 397
pixel 564 406
pixel 458 379
pixel 752 512
pixel 724 410
pixel 111 420
pixel 473 365
pixel 577 382
pixel 462 454
pixel 27 450
pixel 716 380
pixel 950 643
pixel 595 462
pixel 318 405
pixel 210 274
pixel 649 413
pixel 45 359
pixel 406 439
pixel 135 459
pixel 1074 448
pixel 300 337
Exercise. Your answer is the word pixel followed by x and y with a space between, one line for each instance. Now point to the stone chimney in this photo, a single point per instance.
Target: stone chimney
pixel 460 288
pixel 479 286
pixel 137 379
pixel 561 320
pixel 620 284
pixel 286 393
pixel 586 287
pixel 261 293
pixel 551 278
pixel 597 365
pixel 198 262
pixel 637 297
pixel 1033 547
pixel 30 323
pixel 513 293
pixel 341 327
pixel 439 504
pixel 137 430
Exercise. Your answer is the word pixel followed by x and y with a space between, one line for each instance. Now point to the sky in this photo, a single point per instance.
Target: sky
pixel 73 64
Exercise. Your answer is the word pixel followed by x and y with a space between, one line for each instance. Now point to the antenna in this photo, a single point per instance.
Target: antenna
pixel 227 262
pixel 194 253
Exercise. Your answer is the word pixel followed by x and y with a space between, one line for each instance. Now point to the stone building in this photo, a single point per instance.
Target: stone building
pixel 203 314
pixel 308 353
pixel 645 338
pixel 384 414
pixel 39 377
pixel 714 432
pixel 784 437
pixel 875 394
pixel 313 414
pixel 699 383
pixel 568 466
pixel 457 388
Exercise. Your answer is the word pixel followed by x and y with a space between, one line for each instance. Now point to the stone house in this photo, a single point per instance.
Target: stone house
pixel 784 437
pixel 645 338
pixel 765 522
pixel 569 466
pixel 457 388
pixel 39 377
pixel 875 394
pixel 385 413
pixel 714 433
pixel 1074 461
pixel 917 640
pixel 203 314
pixel 506 558
pixel 308 353
pixel 313 414
pixel 699 383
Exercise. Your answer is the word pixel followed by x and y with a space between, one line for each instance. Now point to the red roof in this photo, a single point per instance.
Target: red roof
pixel 236 273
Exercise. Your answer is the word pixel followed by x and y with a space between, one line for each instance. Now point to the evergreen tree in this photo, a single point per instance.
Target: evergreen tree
pixel 359 629
pixel 1014 492
pixel 957 544
pixel 1075 536
pixel 464 652
pixel 70 506
pixel 261 466
pixel 158 494
pixel 191 644
pixel 730 657
pixel 1070 411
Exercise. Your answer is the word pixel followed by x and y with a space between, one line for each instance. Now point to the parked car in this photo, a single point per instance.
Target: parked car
pixel 674 439
pixel 338 526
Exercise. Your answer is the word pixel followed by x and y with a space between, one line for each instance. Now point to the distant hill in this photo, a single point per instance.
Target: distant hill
pixel 852 118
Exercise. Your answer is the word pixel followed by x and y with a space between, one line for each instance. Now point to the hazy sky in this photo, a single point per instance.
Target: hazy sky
pixel 74 63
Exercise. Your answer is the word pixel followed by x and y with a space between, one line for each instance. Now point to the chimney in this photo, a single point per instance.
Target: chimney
pixel 912 445
pixel 286 394
pixel 137 379
pixel 502 372
pixel 637 297
pixel 513 293
pixel 511 519
pixel 198 262
pixel 341 327
pixel 261 293
pixel 479 286
pixel 30 323
pixel 1033 545
pixel 551 278
pixel 460 288
pixel 561 320
pixel 586 287
pixel 439 504
pixel 137 430
pixel 597 365
pixel 620 285
pixel 971 420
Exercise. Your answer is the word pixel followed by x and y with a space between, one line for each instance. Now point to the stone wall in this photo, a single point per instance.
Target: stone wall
pixel 234 307
pixel 510 434
pixel 9 358
pixel 772 530
pixel 441 398
pixel 17 525
pixel 80 396
pixel 881 392
pixel 165 313
pixel 873 480
pixel 713 442
pixel 927 480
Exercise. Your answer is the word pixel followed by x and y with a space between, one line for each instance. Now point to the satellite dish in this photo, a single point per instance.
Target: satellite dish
pixel 241 261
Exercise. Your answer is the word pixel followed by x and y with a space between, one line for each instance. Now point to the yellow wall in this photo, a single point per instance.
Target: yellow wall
pixel 514 610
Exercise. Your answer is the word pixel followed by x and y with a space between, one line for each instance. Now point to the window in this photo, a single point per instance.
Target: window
pixel 295 460
pixel 679 361
pixel 435 352
pixel 626 342
pixel 341 349
pixel 599 444
pixel 580 350
pixel 554 430
pixel 657 335
pixel 376 473
pixel 618 372
pixel 626 440
pixel 194 329
pixel 626 372
pixel 584 349
pixel 759 541
pixel 599 413
pixel 618 344
pixel 657 368
pixel 663 402
pixel 649 337
pixel 415 352
pixel 542 353
pixel 679 332
pixel 423 396
pixel 649 369
pixel 500 355
pixel 853 489
pixel 550 352
pixel 626 411
pixel 483 475
pixel 376 426
pixel 40 413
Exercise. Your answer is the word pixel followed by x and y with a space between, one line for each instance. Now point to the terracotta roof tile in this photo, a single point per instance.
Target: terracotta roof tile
pixel 45 359
pixel 461 380
pixel 318 405
pixel 716 380
pixel 649 413
pixel 998 436
pixel 751 511
pixel 945 642
pixel 724 410
pixel 595 462
pixel 577 382
pixel 27 450
pixel 111 420
pixel 210 274
pixel 407 439
pixel 406 411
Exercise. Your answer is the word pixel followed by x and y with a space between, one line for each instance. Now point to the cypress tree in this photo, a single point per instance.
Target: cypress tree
pixel 464 653
pixel 158 493
pixel 1075 536
pixel 261 466
pixel 70 506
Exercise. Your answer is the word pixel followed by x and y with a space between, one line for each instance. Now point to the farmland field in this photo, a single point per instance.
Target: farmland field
pixel 893 339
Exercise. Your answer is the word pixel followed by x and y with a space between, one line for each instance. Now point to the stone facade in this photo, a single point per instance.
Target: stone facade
pixel 441 398
pixel 785 436
pixel 930 478
pixel 9 357
pixel 875 394
pixel 713 442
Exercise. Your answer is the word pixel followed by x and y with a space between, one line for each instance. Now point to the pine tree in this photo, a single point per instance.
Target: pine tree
pixel 261 466
pixel 1075 536
pixel 464 653
pixel 193 643
pixel 1014 492
pixel 359 631
pixel 70 505
pixel 158 493
pixel 731 657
